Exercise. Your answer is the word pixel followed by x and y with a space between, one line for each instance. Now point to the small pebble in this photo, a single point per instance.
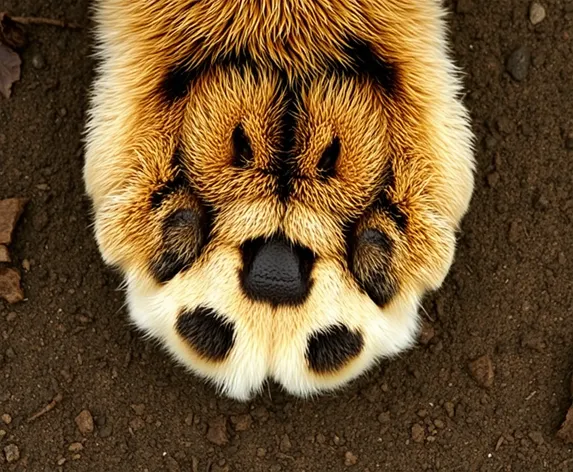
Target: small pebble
pixel 493 179
pixel 26 265
pixel 217 432
pixel 350 459
pixel 38 61
pixel 75 447
pixel 518 63
pixel 449 407
pixel 136 424
pixel 6 418
pixel 12 453
pixel 85 422
pixel 418 433
pixel 482 371
pixel 4 254
pixel 189 419
pixel 427 333
pixel 285 444
pixel 10 211
pixel 536 13
pixel 2 434
pixel 10 288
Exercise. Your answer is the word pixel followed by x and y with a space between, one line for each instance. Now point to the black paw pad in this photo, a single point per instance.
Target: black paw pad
pixel 208 333
pixel 331 349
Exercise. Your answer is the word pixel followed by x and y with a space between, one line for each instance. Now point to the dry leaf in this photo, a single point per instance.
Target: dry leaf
pixel 9 69
pixel 11 33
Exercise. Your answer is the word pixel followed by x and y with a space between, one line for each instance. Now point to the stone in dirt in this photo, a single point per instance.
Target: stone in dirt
pixel 350 459
pixel 4 254
pixel 518 63
pixel 10 289
pixel 566 431
pixel 10 211
pixel 418 433
pixel 85 422
pixel 217 432
pixel 536 13
pixel 12 453
pixel 482 371
pixel 427 333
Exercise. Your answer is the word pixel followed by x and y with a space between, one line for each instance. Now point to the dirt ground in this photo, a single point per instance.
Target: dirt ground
pixel 508 296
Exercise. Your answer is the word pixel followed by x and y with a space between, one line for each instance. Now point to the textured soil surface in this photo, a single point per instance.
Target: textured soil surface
pixel 441 406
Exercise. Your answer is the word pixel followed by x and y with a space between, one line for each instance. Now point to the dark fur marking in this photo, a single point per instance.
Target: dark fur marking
pixel 285 166
pixel 180 78
pixel 242 151
pixel 168 266
pixel 177 183
pixel 327 163
pixel 393 210
pixel 370 262
pixel 207 332
pixel 329 350
pixel 274 274
pixel 385 204
pixel 365 63
pixel 184 234
pixel 242 61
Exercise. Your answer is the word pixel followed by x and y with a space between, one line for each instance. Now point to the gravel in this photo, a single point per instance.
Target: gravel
pixel 217 432
pixel 418 433
pixel 85 422
pixel 536 13
pixel 518 63
pixel 12 453
pixel 350 459
pixel 10 211
pixel 482 371
pixel 10 289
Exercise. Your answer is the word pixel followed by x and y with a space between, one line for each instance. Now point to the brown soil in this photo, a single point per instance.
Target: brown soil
pixel 509 295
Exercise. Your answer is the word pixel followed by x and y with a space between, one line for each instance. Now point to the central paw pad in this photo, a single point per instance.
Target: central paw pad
pixel 276 271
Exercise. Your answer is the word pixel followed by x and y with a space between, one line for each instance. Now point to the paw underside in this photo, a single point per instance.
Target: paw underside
pixel 277 216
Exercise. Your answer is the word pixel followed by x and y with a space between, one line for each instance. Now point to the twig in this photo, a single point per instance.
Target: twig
pixel 50 406
pixel 37 20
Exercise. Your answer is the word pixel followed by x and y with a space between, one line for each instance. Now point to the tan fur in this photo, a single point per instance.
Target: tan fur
pixel 133 132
